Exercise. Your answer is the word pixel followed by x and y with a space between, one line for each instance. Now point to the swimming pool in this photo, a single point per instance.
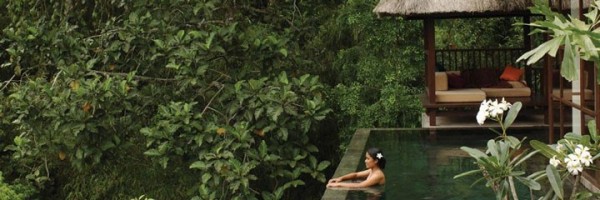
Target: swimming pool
pixel 422 167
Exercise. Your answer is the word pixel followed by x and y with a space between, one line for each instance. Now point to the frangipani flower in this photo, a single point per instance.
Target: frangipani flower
pixel 574 168
pixel 583 154
pixel 481 116
pixel 379 155
pixel 491 109
pixel 503 105
pixel 577 157
pixel 560 147
pixel 495 109
pixel 573 164
pixel 554 162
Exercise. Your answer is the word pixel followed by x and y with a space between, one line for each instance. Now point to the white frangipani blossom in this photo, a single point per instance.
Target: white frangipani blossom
pixel 586 159
pixel 491 109
pixel 574 168
pixel 503 105
pixel 560 147
pixel 583 154
pixel 481 116
pixel 495 109
pixel 573 164
pixel 554 162
pixel 578 156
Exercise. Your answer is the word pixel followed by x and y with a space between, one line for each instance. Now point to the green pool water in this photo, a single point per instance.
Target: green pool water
pixel 420 166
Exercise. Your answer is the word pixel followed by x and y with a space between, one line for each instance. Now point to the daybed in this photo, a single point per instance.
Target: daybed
pixel 479 84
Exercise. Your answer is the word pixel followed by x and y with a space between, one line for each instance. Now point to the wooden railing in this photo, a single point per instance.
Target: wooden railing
pixel 462 59
pixel 465 59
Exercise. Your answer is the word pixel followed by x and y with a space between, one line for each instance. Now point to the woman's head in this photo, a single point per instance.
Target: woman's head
pixel 376 155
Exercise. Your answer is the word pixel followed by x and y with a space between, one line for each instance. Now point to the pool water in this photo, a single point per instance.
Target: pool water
pixel 422 167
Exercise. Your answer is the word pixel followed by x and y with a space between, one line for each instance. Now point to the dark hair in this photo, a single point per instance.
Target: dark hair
pixel 373 152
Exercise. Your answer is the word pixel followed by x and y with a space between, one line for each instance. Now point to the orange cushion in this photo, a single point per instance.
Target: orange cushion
pixel 511 73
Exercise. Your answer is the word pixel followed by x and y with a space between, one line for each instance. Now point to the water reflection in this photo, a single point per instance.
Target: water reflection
pixel 369 193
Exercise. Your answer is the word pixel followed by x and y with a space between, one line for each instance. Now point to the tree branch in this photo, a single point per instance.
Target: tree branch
pixel 143 78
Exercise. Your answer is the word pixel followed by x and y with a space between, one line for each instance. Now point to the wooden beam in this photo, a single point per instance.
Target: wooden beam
pixel 526 31
pixel 429 40
pixel 597 98
pixel 548 95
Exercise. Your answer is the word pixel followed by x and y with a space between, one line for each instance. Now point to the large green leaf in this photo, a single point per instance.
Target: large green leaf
pixel 323 165
pixel 537 175
pixel 534 185
pixel 475 153
pixel 493 148
pixel 543 148
pixel 468 173
pixel 513 141
pixel 567 67
pixel 513 112
pixel 592 129
pixel 555 180
pixel 198 165
pixel 520 159
pixel 536 54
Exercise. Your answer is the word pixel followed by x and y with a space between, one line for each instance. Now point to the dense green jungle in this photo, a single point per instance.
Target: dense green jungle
pixel 203 99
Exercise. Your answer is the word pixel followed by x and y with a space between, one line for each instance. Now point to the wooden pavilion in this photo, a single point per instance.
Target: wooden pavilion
pixel 543 95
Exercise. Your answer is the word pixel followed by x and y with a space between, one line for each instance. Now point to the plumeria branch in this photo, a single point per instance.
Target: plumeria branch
pixel 493 110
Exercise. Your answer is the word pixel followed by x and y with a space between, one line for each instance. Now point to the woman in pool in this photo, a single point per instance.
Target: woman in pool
pixel 373 175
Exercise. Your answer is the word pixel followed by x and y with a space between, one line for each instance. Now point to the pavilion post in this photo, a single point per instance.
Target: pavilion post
pixel 429 35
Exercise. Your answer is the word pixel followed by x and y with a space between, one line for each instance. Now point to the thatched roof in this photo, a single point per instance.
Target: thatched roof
pixel 453 8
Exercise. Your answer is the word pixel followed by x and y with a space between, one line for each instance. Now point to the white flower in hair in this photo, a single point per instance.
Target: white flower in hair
pixel 379 155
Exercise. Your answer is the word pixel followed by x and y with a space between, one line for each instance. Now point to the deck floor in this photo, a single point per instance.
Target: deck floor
pixel 466 120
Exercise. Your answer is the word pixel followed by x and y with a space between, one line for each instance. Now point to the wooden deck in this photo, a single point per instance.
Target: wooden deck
pixel 451 114
pixel 466 120
pixel 527 101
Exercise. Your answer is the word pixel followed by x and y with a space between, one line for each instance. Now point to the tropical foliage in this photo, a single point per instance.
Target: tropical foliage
pixel 196 99
pixel 572 155
pixel 500 164
pixel 568 159
pixel 377 68
pixel 479 33
pixel 200 86
pixel 577 37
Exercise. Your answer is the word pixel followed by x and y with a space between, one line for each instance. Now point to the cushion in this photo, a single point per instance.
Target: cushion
pixel 453 72
pixel 511 73
pixel 441 81
pixel 460 95
pixel 517 84
pixel 478 78
pixel 456 81
pixel 501 84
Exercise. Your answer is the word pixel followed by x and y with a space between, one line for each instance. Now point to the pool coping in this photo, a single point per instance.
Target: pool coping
pixel 349 161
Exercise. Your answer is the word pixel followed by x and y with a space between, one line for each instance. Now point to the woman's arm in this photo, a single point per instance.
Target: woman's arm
pixel 374 179
pixel 350 176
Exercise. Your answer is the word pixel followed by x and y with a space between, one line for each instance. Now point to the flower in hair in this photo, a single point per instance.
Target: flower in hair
pixel 379 155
